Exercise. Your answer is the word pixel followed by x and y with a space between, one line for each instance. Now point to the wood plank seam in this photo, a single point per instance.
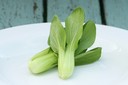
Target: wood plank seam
pixel 45 10
pixel 102 12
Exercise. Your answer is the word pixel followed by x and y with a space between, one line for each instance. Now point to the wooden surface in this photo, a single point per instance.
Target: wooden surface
pixel 21 12
pixel 116 13
pixel 64 7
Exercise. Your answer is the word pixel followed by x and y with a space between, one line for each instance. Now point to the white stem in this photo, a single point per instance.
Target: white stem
pixel 66 63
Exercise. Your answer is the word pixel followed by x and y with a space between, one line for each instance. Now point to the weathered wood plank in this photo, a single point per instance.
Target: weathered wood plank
pixel 19 12
pixel 63 8
pixel 116 13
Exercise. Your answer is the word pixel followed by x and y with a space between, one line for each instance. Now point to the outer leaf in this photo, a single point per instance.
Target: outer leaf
pixel 88 57
pixel 57 35
pixel 43 61
pixel 42 53
pixel 74 27
pixel 88 37
pixel 48 40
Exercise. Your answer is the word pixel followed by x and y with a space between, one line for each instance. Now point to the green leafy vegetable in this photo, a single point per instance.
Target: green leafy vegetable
pixel 68 46
pixel 88 37
pixel 88 57
pixel 74 33
pixel 57 36
pixel 43 61
pixel 57 40
pixel 47 59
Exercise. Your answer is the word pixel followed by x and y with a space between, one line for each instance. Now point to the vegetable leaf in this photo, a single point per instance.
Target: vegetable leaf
pixel 43 61
pixel 88 37
pixel 57 35
pixel 42 53
pixel 74 27
pixel 88 57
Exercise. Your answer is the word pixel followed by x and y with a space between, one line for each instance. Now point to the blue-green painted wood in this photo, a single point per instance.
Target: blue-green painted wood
pixel 116 13
pixel 62 8
pixel 19 12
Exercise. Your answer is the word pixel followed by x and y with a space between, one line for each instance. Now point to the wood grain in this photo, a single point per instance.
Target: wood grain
pixel 19 12
pixel 116 13
pixel 63 8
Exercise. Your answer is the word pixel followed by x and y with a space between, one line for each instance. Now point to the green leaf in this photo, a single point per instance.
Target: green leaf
pixel 88 37
pixel 48 40
pixel 42 53
pixel 88 57
pixel 43 61
pixel 74 27
pixel 57 35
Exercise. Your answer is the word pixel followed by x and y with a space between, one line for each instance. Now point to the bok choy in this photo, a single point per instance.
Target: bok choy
pixel 68 46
